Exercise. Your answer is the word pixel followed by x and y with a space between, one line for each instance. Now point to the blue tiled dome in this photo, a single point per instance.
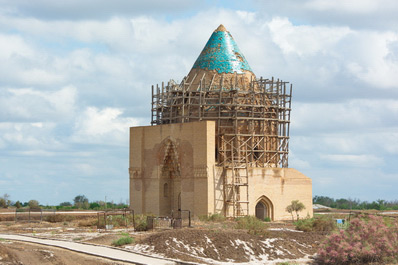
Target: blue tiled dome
pixel 222 54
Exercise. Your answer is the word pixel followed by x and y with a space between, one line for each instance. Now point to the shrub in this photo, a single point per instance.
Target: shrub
pixel 323 224
pixel 123 241
pixel 364 241
pixel 252 224
pixel 267 219
pixel 140 223
pixel 305 225
pixel 215 217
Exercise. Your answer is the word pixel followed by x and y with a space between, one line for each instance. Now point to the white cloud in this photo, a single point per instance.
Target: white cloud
pixel 104 126
pixel 14 46
pixel 98 9
pixel 305 40
pixel 360 14
pixel 26 138
pixel 34 105
pixel 350 6
pixel 355 160
pixel 354 114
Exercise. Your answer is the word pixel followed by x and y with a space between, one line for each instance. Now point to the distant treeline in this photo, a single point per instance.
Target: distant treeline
pixel 355 204
pixel 79 202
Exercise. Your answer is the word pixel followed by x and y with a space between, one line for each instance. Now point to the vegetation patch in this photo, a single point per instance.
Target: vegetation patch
pixel 216 217
pixel 366 240
pixel 324 224
pixel 141 223
pixel 252 224
pixel 123 241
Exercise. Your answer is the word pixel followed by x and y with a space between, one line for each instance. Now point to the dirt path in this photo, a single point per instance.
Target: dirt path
pixel 100 251
pixel 24 253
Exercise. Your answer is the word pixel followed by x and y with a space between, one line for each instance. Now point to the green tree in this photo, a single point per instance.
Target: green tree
pixel 296 206
pixel 18 204
pixel 33 204
pixel 3 203
pixel 81 201
pixel 65 204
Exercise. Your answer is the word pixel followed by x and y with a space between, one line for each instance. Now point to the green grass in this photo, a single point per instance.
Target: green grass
pixel 253 225
pixel 123 241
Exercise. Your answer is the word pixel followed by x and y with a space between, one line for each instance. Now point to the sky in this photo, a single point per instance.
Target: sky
pixel 75 75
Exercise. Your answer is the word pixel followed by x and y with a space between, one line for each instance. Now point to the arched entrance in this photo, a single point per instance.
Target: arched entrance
pixel 261 210
pixel 264 208
pixel 169 197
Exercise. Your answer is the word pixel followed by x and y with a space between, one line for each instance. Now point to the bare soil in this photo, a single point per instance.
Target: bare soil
pixel 206 246
pixel 18 253
pixel 207 243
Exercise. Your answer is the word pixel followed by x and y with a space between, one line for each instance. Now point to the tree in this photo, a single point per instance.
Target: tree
pixel 290 210
pixel 33 204
pixel 5 201
pixel 18 204
pixel 296 206
pixel 65 204
pixel 81 201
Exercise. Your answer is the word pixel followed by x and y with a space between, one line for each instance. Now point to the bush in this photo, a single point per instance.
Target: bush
pixel 251 223
pixel 366 240
pixel 267 219
pixel 323 224
pixel 305 225
pixel 123 241
pixel 215 217
pixel 140 223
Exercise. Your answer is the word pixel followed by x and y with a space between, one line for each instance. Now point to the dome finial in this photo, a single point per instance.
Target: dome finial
pixel 221 28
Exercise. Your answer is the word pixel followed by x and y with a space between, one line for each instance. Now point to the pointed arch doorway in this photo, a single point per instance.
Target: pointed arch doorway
pixel 264 208
pixel 170 198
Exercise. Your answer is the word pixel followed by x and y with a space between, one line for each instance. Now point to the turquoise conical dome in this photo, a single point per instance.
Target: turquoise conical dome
pixel 220 64
pixel 222 54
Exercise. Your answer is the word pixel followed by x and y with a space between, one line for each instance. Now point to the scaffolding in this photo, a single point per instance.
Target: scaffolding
pixel 252 125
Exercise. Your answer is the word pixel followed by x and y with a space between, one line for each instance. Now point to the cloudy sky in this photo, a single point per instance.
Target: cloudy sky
pixel 75 75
